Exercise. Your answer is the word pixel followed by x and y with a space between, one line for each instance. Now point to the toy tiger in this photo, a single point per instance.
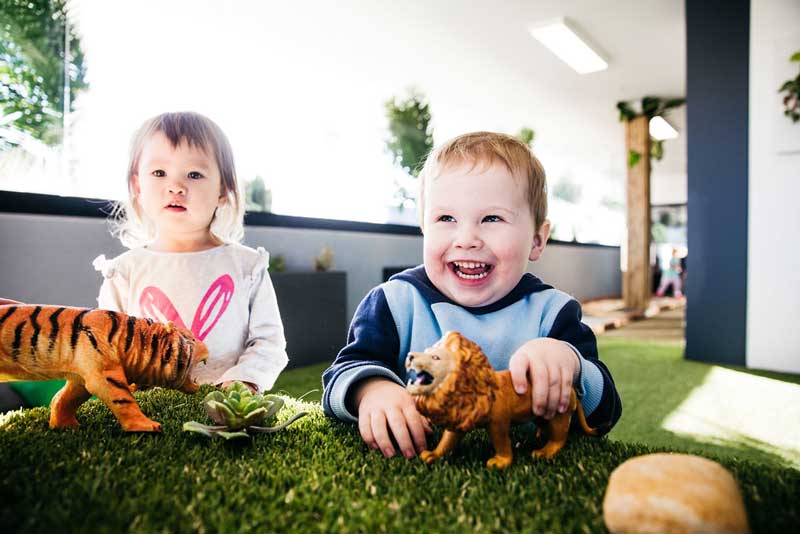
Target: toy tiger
pixel 98 352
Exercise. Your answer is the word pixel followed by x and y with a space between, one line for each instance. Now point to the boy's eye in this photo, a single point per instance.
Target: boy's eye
pixel 492 218
pixel 194 175
pixel 158 173
pixel 445 218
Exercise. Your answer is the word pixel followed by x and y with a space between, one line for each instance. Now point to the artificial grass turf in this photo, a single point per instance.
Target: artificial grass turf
pixel 653 380
pixel 314 476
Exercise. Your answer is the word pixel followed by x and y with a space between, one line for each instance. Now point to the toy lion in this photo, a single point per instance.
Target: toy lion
pixel 455 386
pixel 98 352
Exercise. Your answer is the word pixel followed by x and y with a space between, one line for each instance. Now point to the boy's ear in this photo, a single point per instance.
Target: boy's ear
pixel 540 240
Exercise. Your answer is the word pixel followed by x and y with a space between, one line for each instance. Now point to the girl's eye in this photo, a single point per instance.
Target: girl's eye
pixel 158 173
pixel 445 218
pixel 194 175
pixel 492 218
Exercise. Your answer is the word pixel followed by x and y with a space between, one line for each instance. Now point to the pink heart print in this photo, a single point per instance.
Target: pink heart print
pixel 156 305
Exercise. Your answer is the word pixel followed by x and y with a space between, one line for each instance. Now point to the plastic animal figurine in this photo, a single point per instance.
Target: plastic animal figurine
pixel 98 352
pixel 455 386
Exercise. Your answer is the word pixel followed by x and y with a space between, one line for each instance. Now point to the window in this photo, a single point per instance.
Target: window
pixel 300 90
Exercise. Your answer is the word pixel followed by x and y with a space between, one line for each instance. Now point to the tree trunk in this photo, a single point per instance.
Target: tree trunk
pixel 636 275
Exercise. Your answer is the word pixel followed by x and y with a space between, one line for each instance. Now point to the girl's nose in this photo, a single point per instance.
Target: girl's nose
pixel 176 188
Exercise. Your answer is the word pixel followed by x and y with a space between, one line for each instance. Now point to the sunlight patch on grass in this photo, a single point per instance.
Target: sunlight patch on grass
pixel 739 409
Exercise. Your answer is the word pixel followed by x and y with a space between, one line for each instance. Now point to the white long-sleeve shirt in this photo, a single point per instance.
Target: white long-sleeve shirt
pixel 223 295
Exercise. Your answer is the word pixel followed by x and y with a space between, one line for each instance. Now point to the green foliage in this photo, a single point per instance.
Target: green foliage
pixel 526 135
pixel 791 100
pixel 318 476
pixel 651 106
pixel 239 412
pixel 633 158
pixel 410 137
pixel 32 68
pixel 277 263
pixel 567 190
pixel 626 113
pixel 658 232
pixel 657 149
pixel 257 196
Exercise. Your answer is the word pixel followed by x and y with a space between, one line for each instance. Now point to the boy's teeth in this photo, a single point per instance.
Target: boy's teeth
pixel 472 276
pixel 469 264
pixel 470 270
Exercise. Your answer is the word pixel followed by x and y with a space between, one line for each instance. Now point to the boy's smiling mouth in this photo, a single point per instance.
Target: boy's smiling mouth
pixel 470 270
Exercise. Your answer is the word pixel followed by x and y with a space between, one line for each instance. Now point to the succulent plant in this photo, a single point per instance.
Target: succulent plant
pixel 239 412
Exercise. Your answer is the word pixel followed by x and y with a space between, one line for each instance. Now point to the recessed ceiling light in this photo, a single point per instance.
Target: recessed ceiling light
pixel 563 40
pixel 661 129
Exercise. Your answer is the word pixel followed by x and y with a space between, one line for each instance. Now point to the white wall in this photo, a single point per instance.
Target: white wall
pixel 47 259
pixel 773 277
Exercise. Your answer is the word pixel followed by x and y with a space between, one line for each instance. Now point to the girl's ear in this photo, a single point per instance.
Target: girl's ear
pixel 540 240
pixel 137 190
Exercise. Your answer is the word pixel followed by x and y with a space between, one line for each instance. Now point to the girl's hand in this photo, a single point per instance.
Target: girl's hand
pixel 553 367
pixel 385 406
pixel 252 387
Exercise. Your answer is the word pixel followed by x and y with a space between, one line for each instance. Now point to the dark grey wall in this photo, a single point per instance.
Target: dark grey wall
pixel 718 54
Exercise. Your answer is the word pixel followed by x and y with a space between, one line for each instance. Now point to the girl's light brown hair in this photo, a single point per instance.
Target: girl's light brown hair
pixel 486 148
pixel 132 227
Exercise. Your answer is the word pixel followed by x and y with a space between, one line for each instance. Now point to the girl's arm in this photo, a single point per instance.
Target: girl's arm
pixel 264 355
pixel 114 290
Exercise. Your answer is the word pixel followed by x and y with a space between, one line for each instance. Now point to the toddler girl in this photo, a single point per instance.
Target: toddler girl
pixel 183 224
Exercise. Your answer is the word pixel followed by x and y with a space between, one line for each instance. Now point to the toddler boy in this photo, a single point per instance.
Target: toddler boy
pixel 483 203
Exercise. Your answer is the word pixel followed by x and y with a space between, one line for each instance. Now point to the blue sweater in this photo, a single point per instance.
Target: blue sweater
pixel 408 313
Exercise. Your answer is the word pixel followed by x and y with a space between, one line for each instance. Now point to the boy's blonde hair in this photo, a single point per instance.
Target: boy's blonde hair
pixel 128 220
pixel 486 148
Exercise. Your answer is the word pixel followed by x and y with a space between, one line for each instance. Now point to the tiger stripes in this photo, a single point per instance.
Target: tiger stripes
pixel 98 352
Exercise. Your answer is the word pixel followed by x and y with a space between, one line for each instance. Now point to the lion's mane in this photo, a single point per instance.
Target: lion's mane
pixel 464 398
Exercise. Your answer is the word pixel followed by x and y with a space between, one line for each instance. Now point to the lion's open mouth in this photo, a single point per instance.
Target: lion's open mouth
pixel 422 378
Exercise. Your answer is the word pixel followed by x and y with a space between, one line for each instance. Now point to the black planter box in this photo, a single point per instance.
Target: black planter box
pixel 313 309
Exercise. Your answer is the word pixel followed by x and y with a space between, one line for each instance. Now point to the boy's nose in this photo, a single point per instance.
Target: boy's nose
pixel 467 238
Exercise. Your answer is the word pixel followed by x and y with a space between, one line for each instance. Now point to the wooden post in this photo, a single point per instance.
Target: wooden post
pixel 636 276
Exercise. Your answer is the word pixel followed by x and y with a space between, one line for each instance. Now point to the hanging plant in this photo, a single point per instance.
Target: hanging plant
pixel 526 135
pixel 791 101
pixel 410 137
pixel 651 106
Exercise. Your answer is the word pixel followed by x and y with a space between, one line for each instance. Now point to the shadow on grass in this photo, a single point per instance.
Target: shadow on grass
pixel 299 381
pixel 661 392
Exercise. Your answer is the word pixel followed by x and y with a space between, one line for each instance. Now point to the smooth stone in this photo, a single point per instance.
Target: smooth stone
pixel 673 493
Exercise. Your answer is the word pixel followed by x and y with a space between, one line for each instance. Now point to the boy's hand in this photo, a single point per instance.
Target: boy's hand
pixel 553 368
pixel 385 406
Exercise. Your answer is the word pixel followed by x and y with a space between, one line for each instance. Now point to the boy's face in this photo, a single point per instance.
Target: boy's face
pixel 478 233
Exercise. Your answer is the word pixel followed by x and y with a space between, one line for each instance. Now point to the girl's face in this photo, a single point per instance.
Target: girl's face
pixel 478 233
pixel 178 188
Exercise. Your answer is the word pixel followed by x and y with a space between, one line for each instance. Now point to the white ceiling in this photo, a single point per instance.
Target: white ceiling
pixel 644 42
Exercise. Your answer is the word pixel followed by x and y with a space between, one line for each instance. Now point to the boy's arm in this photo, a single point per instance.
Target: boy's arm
pixel 595 386
pixel 264 355
pixel 372 350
